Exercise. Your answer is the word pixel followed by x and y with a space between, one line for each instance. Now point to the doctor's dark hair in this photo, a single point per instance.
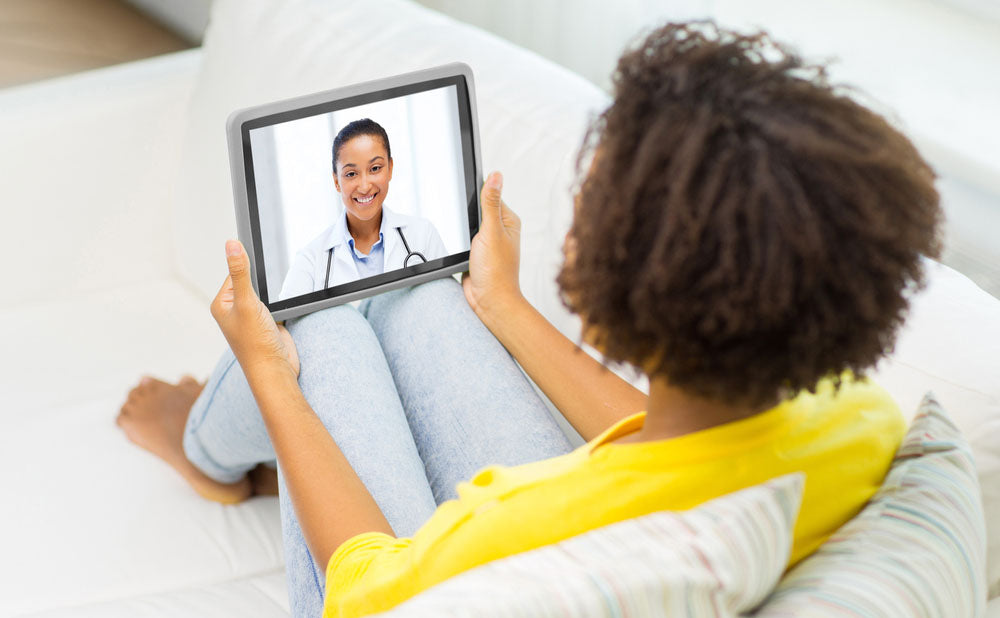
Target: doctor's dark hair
pixel 364 126
pixel 745 228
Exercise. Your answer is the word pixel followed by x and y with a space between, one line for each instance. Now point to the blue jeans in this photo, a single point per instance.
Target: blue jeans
pixel 416 392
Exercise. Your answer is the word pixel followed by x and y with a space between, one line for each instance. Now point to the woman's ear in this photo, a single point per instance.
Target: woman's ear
pixel 336 181
pixel 389 168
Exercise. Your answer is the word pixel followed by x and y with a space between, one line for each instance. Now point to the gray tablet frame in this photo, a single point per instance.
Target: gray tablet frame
pixel 241 199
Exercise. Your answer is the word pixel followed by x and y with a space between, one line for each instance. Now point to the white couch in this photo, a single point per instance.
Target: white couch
pixel 116 202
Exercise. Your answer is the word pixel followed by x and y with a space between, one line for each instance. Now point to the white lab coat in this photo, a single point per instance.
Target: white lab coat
pixel 308 270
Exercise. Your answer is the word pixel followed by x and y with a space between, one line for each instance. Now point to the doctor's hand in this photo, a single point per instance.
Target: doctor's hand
pixel 256 340
pixel 491 285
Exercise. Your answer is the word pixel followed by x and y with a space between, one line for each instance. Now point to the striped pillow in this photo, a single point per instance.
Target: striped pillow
pixel 719 559
pixel 916 549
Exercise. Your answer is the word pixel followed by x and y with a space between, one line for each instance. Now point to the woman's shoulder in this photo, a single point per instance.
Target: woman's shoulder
pixel 851 406
pixel 851 392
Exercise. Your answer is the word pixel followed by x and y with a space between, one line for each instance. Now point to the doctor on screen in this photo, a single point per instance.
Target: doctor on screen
pixel 368 239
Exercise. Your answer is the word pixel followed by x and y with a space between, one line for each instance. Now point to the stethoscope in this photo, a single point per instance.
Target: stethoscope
pixel 406 245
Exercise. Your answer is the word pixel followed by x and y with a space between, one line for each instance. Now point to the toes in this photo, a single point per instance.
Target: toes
pixel 123 416
pixel 147 385
pixel 141 387
pixel 148 381
pixel 136 395
pixel 191 386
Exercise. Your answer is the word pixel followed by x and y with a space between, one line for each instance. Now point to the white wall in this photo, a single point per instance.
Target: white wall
pixel 931 65
pixel 934 67
pixel 586 36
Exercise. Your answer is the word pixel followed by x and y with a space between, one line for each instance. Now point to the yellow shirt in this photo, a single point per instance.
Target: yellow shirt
pixel 844 443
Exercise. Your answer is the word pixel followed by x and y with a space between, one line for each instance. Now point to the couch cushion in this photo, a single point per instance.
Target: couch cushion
pixel 950 344
pixel 89 161
pixel 87 516
pixel 257 596
pixel 532 113
pixel 719 559
pixel 916 549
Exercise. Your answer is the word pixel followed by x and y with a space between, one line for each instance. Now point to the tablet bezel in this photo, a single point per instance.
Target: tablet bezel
pixel 241 122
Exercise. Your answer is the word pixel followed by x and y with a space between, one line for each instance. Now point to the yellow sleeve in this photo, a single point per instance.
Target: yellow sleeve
pixel 358 566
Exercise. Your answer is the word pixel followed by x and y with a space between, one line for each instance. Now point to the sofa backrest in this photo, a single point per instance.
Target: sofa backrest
pixel 950 345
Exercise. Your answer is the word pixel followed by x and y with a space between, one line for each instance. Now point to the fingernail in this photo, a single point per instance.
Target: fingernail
pixel 495 181
pixel 232 247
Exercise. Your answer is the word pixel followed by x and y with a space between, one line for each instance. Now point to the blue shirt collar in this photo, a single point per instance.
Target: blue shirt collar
pixel 375 247
pixel 340 235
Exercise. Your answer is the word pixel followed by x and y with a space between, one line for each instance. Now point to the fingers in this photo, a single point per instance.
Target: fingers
pixel 490 200
pixel 239 269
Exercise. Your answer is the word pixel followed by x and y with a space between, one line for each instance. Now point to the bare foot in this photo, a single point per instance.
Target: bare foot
pixel 154 416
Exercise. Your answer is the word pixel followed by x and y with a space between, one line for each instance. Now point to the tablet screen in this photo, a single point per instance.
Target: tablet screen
pixel 358 193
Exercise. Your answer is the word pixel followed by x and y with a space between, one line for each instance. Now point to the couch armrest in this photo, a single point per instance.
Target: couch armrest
pixel 89 162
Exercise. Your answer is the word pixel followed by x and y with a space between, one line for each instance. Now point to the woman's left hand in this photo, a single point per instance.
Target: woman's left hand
pixel 491 285
pixel 256 340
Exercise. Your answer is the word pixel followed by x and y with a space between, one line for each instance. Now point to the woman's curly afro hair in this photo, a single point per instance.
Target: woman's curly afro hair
pixel 744 228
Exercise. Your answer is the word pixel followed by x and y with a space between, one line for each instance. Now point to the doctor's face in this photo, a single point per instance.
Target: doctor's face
pixel 362 177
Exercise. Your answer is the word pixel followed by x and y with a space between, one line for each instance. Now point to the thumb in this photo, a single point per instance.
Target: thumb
pixel 490 199
pixel 239 269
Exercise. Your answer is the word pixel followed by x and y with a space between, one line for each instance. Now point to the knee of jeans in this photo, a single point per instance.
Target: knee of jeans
pixel 444 285
pixel 324 335
pixel 340 317
pixel 364 305
pixel 426 297
pixel 439 297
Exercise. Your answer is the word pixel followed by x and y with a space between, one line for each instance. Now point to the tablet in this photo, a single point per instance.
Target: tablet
pixel 348 193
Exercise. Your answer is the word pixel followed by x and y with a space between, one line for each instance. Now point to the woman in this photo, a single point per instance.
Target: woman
pixel 369 239
pixel 745 234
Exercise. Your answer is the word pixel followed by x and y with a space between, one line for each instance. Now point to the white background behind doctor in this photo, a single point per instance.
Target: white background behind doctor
pixel 296 195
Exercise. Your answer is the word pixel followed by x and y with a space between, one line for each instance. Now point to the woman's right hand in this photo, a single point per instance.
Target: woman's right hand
pixel 492 283
pixel 253 336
